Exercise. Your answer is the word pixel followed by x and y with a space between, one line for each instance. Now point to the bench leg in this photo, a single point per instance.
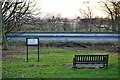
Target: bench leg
pixel 104 65
pixel 74 65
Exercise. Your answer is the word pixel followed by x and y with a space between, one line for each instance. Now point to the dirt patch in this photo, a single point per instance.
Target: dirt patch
pixel 22 49
pixel 107 48
pixel 38 66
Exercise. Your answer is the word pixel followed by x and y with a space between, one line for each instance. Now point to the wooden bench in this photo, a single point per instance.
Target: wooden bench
pixel 91 59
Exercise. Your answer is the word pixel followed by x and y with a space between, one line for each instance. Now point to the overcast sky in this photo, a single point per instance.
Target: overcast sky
pixel 68 8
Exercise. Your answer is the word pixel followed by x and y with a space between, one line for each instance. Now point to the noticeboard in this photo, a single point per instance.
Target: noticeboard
pixel 32 41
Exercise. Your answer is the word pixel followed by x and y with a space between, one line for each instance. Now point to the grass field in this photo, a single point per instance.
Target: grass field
pixel 54 64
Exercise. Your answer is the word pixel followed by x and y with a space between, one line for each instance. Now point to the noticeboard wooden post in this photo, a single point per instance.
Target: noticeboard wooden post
pixel 32 42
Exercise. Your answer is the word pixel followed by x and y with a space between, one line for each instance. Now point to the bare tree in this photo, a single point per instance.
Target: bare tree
pixel 13 13
pixel 88 14
pixel 53 22
pixel 113 10
pixel 66 24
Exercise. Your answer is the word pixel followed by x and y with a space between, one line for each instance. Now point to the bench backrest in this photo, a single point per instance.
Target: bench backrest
pixel 89 58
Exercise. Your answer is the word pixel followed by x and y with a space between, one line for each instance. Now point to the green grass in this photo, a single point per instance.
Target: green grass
pixel 53 64
pixel 64 43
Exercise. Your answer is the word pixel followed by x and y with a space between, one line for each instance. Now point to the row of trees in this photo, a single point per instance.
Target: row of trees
pixel 64 24
pixel 88 23
pixel 51 23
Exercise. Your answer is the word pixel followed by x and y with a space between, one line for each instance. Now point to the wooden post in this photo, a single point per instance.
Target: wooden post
pixel 38 49
pixel 27 53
